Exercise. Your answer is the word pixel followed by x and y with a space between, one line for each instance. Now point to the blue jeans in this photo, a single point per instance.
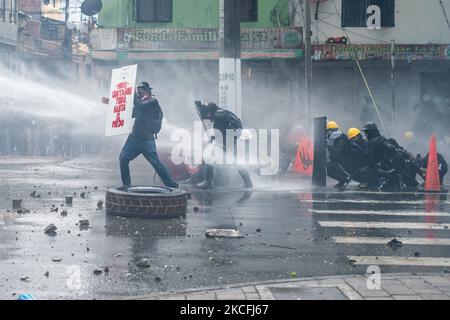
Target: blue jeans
pixel 133 148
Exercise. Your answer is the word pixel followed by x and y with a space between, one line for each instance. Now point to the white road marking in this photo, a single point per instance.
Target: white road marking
pixel 385 240
pixel 385 225
pixel 383 213
pixel 400 261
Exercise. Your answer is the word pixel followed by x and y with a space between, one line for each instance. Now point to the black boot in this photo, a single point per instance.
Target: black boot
pixel 207 184
pixel 246 178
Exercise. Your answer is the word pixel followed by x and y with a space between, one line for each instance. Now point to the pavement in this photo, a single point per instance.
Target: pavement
pixel 287 229
pixel 354 287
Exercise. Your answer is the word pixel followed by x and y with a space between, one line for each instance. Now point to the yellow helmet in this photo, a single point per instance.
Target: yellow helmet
pixel 332 125
pixel 353 132
pixel 408 135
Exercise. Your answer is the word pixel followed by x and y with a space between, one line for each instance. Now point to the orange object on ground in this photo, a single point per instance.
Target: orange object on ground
pixel 432 180
pixel 304 158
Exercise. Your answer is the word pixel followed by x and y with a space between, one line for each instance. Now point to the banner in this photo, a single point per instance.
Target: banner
pixel 120 110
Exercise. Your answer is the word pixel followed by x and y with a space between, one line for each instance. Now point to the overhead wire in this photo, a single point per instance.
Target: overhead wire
pixel 363 76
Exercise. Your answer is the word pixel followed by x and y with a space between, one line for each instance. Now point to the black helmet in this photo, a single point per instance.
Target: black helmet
pixel 212 107
pixel 144 85
pixel 370 126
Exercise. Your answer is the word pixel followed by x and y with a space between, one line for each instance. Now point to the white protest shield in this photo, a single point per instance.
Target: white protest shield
pixel 120 109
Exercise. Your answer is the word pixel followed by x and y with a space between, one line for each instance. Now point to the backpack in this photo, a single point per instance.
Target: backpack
pixel 232 120
pixel 157 121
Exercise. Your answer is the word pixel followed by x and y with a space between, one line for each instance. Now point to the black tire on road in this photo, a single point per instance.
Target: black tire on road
pixel 146 202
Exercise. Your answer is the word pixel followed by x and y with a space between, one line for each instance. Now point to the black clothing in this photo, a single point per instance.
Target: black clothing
pixel 145 110
pixel 442 166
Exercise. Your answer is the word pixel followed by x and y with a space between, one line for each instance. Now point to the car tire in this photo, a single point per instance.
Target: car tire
pixel 146 202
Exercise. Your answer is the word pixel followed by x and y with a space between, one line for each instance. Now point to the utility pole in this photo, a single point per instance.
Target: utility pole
pixel 67 31
pixel 230 96
pixel 393 78
pixel 308 61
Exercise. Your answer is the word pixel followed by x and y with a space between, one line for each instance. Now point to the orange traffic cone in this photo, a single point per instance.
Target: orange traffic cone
pixel 432 180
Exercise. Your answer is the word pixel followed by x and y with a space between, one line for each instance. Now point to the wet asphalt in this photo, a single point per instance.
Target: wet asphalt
pixel 281 222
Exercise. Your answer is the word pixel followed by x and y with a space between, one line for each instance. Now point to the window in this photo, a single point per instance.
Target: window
pixel 249 10
pixel 154 10
pixel 354 12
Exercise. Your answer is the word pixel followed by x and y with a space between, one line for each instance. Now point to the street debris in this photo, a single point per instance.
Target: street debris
pixel 47 274
pixel 23 211
pixel 196 209
pixel 33 194
pixel 143 263
pixel 69 200
pixel 117 255
pixel 258 230
pixel 25 296
pixel 64 213
pixel 293 274
pixel 25 279
pixel 83 195
pixel 84 222
pixel 100 204
pixel 54 209
pixel 16 204
pixel 394 243
pixel 51 229
pixel 223 233
pixel 57 259
pixel 98 272
pixel 277 246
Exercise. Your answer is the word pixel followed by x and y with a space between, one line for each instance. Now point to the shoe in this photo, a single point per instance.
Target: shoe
pixel 205 185
pixel 248 184
pixel 381 184
pixel 342 184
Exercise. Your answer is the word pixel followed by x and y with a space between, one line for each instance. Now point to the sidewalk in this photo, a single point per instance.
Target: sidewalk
pixel 393 287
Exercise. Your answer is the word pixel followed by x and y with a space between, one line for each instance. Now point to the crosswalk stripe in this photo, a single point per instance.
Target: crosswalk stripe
pixel 384 225
pixel 383 213
pixel 385 240
pixel 400 261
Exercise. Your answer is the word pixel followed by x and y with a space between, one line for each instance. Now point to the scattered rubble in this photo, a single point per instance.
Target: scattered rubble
pixel 51 229
pixel 16 204
pixel 223 233
pixel 394 243
pixel 98 272
pixel 143 263
pixel 69 200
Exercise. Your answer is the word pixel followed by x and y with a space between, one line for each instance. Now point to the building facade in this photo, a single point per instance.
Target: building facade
pixel 404 59
pixel 176 45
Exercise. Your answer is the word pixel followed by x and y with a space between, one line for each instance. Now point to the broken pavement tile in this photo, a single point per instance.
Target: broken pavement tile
pixel 223 233
pixel 51 228
pixel 98 272
pixel 143 263
pixel 394 243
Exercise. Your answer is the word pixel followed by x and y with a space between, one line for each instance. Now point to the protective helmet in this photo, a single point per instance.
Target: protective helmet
pixel 332 125
pixel 370 126
pixel 408 135
pixel 353 132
